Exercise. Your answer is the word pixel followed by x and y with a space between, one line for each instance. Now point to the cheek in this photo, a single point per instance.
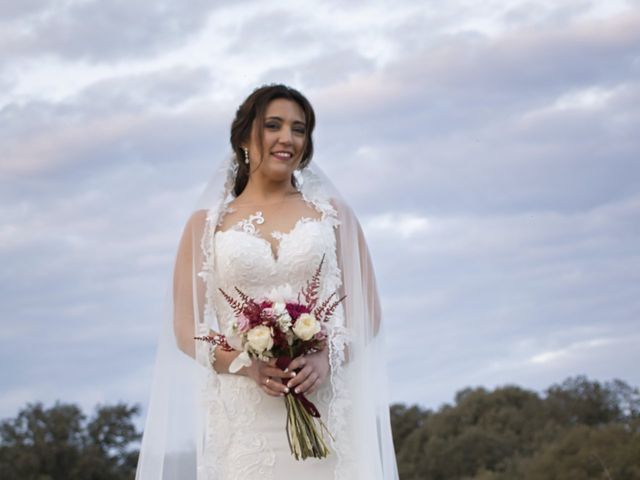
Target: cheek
pixel 300 145
pixel 267 142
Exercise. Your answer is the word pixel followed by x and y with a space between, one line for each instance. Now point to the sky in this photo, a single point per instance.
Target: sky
pixel 488 149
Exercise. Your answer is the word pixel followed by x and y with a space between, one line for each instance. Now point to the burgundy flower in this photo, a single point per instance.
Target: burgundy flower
pixel 268 316
pixel 280 340
pixel 295 310
pixel 252 311
pixel 265 304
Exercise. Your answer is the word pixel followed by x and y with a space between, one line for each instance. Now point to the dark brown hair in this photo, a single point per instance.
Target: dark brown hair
pixel 253 108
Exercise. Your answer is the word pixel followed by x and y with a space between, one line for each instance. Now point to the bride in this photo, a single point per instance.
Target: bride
pixel 264 223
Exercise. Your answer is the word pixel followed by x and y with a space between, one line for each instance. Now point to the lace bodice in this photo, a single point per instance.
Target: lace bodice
pixel 247 260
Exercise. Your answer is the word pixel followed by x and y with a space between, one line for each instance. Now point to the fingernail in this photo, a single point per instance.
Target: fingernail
pixel 286 370
pixel 293 374
pixel 289 384
pixel 296 390
pixel 286 390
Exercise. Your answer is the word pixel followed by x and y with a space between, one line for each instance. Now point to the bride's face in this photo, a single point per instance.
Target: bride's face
pixel 283 139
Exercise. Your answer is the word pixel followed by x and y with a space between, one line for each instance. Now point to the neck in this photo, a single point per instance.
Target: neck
pixel 264 190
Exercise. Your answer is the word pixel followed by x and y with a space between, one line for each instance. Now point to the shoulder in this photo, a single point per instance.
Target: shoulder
pixel 345 214
pixel 197 218
pixel 196 223
pixel 340 206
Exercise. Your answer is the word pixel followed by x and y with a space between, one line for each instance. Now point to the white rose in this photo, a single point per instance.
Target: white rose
pixel 306 326
pixel 259 339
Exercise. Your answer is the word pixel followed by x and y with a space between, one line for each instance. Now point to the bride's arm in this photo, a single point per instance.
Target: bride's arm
pixel 188 309
pixel 189 293
pixel 223 358
pixel 188 290
pixel 356 269
pixel 352 248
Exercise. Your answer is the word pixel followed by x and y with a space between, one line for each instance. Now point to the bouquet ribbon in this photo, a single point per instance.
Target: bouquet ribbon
pixel 282 363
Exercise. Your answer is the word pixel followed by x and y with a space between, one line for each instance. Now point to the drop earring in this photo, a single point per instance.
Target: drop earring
pixel 246 155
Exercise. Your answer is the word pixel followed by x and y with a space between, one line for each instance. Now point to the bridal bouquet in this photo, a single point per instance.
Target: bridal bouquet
pixel 283 327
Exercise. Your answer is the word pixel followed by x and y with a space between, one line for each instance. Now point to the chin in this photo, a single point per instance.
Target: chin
pixel 280 174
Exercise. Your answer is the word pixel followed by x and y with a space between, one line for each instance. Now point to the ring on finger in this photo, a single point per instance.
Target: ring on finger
pixel 267 381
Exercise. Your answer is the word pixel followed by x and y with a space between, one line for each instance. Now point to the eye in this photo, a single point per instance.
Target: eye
pixel 299 130
pixel 272 125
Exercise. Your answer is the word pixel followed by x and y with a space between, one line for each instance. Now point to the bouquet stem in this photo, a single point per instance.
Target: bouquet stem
pixel 305 438
pixel 302 431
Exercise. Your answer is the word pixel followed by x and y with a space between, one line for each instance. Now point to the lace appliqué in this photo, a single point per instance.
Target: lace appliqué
pixel 278 235
pixel 233 449
pixel 247 223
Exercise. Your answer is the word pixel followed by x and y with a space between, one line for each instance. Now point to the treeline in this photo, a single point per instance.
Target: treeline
pixel 62 443
pixel 576 430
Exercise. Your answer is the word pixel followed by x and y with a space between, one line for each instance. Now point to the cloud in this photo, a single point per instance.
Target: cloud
pixel 19 10
pixel 569 350
pixel 405 225
pixel 332 65
pixel 166 87
pixel 267 30
pixel 109 122
pixel 465 118
pixel 480 70
pixel 521 296
pixel 489 150
pixel 98 31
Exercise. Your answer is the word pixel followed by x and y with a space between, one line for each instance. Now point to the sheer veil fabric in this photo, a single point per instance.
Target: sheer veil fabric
pixel 183 379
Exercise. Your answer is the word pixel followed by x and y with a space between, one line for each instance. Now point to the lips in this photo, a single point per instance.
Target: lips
pixel 282 155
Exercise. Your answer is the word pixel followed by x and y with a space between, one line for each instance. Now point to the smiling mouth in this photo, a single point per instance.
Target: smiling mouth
pixel 282 155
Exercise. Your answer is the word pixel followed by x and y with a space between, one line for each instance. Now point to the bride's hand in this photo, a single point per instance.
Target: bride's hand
pixel 315 368
pixel 268 376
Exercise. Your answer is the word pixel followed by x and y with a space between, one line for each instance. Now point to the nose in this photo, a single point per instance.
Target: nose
pixel 285 135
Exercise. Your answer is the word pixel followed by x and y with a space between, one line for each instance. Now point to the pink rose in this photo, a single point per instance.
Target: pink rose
pixel 243 323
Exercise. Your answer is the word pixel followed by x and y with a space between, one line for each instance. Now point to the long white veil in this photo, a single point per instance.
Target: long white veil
pixel 174 434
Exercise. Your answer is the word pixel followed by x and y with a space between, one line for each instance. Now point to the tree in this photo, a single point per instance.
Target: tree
pixel 579 429
pixel 610 452
pixel 405 420
pixel 578 401
pixel 60 443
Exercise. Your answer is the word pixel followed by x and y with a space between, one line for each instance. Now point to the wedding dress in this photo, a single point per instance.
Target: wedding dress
pixel 206 425
pixel 246 437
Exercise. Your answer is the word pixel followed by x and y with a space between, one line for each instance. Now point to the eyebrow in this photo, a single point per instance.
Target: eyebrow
pixel 273 117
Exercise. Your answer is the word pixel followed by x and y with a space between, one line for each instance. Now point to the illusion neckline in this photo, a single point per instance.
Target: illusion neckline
pixel 277 234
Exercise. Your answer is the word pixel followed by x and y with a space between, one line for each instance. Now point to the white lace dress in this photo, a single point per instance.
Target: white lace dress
pixel 245 429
